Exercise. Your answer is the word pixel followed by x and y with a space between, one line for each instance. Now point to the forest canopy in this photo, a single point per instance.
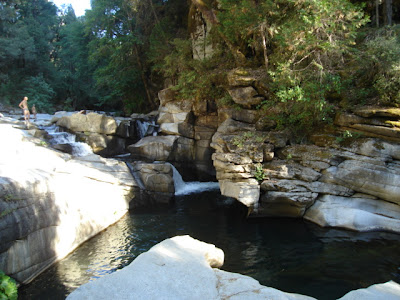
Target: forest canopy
pixel 315 54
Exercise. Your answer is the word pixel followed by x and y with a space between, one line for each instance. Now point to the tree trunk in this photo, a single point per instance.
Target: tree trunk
pixel 388 12
pixel 210 16
pixel 144 80
pixel 377 12
pixel 263 28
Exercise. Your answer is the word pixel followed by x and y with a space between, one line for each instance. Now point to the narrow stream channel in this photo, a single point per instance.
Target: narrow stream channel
pixel 288 254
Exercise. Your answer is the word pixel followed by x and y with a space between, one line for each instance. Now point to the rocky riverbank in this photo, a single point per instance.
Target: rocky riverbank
pixel 51 202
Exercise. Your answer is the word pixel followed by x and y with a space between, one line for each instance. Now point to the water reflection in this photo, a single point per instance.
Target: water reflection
pixel 288 254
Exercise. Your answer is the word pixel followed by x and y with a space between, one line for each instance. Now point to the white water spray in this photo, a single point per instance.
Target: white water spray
pixel 192 187
pixel 58 137
pixel 146 128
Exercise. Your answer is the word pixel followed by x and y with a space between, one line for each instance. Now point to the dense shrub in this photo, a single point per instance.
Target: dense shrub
pixel 8 288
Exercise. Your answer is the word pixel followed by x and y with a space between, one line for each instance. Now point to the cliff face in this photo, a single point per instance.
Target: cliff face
pixel 349 177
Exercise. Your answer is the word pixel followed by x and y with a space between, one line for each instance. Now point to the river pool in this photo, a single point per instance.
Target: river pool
pixel 289 254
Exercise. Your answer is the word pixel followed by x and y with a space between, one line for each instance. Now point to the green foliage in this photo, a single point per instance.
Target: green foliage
pixel 27 32
pixel 259 173
pixel 380 57
pixel 8 288
pixel 312 42
pixel 195 79
pixel 348 136
pixel 39 93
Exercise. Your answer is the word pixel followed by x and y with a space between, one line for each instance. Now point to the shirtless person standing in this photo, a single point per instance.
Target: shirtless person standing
pixel 24 106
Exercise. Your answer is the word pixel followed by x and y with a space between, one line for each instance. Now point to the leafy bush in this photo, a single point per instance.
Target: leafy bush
pixel 8 288
pixel 375 76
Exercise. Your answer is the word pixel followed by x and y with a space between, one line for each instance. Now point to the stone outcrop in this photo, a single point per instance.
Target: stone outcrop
pixel 178 268
pixel 156 183
pixel 315 182
pixel 261 167
pixel 360 213
pixel 185 132
pixel 373 122
pixel 92 122
pixel 51 202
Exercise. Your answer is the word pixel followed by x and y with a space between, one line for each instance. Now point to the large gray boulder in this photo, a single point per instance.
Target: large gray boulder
pixel 178 268
pixel 154 147
pixel 246 96
pixel 245 191
pixel 286 204
pixel 359 213
pixel 51 202
pixel 156 177
pixel 377 180
pixel 91 122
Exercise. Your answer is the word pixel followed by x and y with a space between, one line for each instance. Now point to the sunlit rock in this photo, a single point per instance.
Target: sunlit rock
pixel 178 268
pixel 91 122
pixel 246 96
pixel 166 95
pixel 245 191
pixel 360 214
pixel 153 147
pixel 51 202
pixel 377 180
pixel 383 291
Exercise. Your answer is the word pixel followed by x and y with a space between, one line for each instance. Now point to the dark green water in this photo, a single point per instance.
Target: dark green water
pixel 291 255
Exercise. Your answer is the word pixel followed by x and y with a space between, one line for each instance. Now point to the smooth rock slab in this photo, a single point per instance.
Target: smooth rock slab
pixel 51 202
pixel 153 147
pixel 91 122
pixel 245 191
pixel 360 176
pixel 385 291
pixel 178 268
pixel 360 214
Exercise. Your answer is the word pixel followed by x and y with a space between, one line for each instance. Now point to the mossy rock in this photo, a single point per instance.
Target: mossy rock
pixel 371 112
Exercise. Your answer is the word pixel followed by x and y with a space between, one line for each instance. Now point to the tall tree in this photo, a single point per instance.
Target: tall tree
pixel 125 33
pixel 27 31
pixel 73 63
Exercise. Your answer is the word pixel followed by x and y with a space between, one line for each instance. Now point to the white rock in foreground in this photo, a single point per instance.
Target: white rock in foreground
pixel 385 291
pixel 178 268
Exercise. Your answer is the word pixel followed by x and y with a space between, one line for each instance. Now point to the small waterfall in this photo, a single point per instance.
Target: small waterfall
pixel 146 128
pixel 65 138
pixel 136 176
pixel 192 187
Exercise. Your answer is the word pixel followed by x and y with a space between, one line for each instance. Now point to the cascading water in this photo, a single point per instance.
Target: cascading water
pixel 61 138
pixel 192 187
pixel 145 128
